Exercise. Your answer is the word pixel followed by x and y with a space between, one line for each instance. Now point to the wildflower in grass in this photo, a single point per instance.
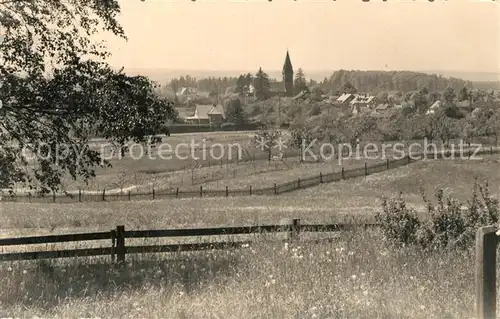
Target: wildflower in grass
pixel 9 269
pixel 353 277
pixel 25 271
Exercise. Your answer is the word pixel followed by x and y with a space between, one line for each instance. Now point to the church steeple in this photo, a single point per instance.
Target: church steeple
pixel 288 75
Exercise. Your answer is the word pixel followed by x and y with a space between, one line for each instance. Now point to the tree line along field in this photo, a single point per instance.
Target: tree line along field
pixel 356 275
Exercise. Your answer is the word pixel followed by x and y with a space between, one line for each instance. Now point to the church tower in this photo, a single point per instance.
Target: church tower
pixel 288 75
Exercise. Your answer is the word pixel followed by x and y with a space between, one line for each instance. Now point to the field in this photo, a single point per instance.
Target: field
pixel 356 276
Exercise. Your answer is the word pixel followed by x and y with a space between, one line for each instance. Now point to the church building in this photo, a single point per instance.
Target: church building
pixel 285 87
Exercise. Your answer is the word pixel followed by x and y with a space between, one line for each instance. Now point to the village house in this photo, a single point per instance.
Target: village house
pixel 434 107
pixel 207 114
pixel 362 103
pixel 345 98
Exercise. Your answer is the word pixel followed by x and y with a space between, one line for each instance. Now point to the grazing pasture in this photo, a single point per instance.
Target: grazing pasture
pixel 359 275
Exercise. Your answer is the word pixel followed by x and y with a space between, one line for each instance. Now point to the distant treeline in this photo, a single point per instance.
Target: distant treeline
pixel 403 81
pixel 363 81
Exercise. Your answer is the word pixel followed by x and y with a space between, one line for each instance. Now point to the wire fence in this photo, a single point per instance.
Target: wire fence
pixel 275 189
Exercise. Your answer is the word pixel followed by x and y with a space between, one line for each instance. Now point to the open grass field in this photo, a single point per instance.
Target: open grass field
pixel 358 275
pixel 357 198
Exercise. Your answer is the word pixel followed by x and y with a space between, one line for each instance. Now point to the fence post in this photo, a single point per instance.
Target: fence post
pixel 486 249
pixel 320 177
pixel 366 169
pixel 295 230
pixel 80 196
pixel 54 197
pixel 201 191
pixel 153 193
pixel 409 158
pixel 250 190
pixel 298 182
pixel 113 245
pixel 227 192
pixel 275 189
pixel 343 176
pixel 128 195
pixel 387 164
pixel 177 192
pixel 104 195
pixel 120 244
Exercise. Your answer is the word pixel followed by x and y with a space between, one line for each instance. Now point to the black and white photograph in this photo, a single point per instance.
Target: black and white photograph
pixel 213 159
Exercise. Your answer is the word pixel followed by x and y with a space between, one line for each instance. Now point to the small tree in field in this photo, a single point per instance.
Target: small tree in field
pixel 235 113
pixel 467 130
pixel 446 129
pixel 265 139
pixel 301 137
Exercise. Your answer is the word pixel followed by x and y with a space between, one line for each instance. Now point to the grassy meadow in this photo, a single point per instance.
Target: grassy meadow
pixel 357 275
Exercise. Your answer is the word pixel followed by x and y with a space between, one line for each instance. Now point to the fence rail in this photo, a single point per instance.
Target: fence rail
pixel 119 249
pixel 276 189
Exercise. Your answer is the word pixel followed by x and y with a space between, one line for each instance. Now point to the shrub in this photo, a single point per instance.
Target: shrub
pixel 447 224
pixel 398 221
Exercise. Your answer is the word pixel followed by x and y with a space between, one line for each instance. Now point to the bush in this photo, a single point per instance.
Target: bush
pixel 447 224
pixel 399 222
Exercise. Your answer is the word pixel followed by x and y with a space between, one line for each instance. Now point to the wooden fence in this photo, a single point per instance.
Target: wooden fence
pixel 118 248
pixel 275 189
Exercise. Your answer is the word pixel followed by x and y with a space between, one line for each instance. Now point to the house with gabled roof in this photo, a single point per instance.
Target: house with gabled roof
pixel 362 103
pixel 345 98
pixel 207 114
pixel 434 107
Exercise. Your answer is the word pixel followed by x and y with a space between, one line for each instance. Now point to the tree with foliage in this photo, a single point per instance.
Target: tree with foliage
pixel 266 138
pixel 446 128
pixel 243 84
pixel 300 138
pixel 452 111
pixel 427 126
pixel 58 92
pixel 262 85
pixel 235 113
pixel 449 95
pixel 463 95
pixel 420 103
pixel 433 97
pixel 349 88
pixel 300 82
pixel 488 124
pixel 467 129
pixel 317 93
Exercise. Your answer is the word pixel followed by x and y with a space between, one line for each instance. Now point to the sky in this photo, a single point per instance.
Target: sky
pixel 458 35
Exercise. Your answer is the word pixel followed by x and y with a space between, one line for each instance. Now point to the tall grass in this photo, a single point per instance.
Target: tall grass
pixel 357 276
